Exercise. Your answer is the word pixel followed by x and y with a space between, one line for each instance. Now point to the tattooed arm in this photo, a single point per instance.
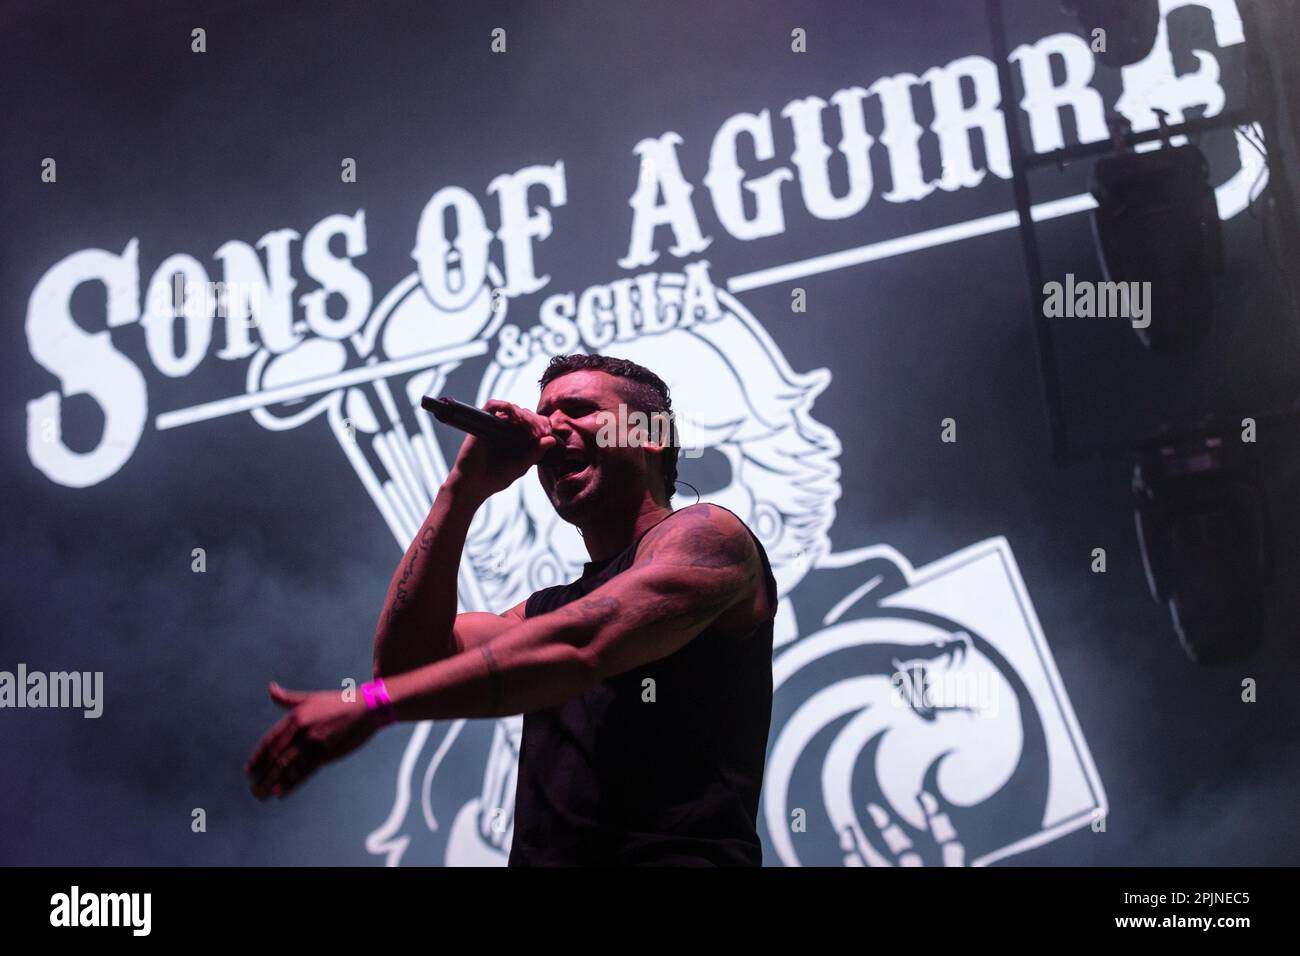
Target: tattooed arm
pixel 689 570
pixel 415 625
pixel 419 623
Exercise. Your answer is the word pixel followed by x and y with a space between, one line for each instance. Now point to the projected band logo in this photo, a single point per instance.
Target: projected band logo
pixel 1008 747
pixel 918 715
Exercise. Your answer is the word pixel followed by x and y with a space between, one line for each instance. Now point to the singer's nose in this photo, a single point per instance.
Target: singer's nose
pixel 560 426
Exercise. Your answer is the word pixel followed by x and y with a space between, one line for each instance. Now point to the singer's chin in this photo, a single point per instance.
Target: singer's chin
pixel 573 497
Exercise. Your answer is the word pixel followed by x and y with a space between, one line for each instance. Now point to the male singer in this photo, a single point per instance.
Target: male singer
pixel 646 684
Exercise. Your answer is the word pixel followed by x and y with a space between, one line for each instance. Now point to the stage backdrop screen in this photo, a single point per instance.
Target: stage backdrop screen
pixel 242 242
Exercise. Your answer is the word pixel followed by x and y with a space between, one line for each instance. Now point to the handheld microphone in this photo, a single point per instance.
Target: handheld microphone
pixel 497 432
pixel 475 421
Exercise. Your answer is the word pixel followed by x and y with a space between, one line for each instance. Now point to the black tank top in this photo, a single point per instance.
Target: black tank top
pixel 610 778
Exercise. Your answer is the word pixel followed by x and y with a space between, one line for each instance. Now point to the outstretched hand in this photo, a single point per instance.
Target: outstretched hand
pixel 320 727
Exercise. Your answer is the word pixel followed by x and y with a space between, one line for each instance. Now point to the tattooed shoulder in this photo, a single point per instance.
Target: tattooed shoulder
pixel 701 536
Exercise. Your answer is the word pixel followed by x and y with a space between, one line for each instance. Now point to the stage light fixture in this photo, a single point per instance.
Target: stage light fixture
pixel 1202 527
pixel 1157 221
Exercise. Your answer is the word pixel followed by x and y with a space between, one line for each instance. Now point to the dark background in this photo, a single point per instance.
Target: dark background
pixel 186 152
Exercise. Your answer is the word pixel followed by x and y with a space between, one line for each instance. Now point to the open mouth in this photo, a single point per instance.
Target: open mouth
pixel 570 464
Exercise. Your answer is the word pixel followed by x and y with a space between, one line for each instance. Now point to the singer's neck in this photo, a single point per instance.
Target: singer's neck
pixel 613 534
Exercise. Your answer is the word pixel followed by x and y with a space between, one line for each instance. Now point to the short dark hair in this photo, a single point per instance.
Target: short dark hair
pixel 644 390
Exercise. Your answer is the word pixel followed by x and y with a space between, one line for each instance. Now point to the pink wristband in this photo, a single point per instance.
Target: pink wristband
pixel 378 701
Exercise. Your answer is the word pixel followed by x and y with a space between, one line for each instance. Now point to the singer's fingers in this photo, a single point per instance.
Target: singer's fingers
pixel 505 410
pixel 538 425
pixel 502 410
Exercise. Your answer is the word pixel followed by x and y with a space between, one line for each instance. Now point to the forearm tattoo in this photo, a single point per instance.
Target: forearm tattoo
pixel 401 595
pixel 591 610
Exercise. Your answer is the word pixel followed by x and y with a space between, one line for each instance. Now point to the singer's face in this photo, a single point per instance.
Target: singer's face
pixel 590 475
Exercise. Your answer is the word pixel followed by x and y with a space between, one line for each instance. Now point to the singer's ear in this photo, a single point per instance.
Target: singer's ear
pixel 659 434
